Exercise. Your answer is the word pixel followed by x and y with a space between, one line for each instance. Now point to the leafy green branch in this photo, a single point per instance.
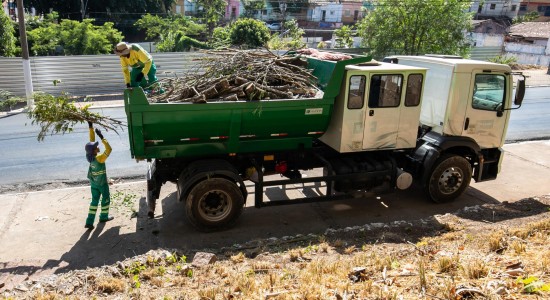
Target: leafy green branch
pixel 58 115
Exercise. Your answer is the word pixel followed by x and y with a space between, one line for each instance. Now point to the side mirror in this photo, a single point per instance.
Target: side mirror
pixel 520 91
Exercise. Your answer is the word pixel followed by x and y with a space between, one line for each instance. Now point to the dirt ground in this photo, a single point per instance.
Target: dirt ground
pixel 489 251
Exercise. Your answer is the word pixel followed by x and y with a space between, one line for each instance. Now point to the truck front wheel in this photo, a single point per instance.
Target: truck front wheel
pixel 214 204
pixel 451 175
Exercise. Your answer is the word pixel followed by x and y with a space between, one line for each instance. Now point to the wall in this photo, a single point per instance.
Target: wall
pixel 529 53
pixel 333 13
pixel 487 40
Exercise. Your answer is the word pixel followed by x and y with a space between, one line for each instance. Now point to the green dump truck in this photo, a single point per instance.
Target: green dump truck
pixel 379 126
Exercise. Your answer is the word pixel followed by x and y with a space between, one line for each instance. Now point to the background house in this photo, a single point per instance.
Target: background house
pixel 325 11
pixel 540 6
pixel 485 9
pixel 233 9
pixel 351 11
pixel 190 8
pixel 529 42
pixel 178 7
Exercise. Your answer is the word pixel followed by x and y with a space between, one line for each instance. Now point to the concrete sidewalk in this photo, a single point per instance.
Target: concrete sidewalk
pixel 43 232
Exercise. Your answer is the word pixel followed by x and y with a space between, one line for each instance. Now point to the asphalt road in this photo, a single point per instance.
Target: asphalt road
pixel 532 120
pixel 60 158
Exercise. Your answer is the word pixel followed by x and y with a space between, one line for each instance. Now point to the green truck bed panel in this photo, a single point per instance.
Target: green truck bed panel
pixel 185 129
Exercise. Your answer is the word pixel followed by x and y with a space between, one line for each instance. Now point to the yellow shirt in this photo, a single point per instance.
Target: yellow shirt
pixel 103 156
pixel 139 58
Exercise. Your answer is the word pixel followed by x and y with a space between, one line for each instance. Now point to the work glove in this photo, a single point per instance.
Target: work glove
pixel 128 85
pixel 90 124
pixel 99 134
pixel 139 77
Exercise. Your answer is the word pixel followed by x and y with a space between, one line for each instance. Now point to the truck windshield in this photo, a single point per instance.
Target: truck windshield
pixel 489 92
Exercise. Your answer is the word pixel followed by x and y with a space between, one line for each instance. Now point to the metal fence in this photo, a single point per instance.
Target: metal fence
pixel 85 75
pixel 484 53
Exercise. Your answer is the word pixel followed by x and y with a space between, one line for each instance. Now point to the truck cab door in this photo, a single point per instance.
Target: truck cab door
pixel 485 120
pixel 382 115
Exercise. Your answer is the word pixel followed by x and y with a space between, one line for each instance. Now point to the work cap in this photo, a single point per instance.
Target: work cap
pixel 90 147
pixel 122 49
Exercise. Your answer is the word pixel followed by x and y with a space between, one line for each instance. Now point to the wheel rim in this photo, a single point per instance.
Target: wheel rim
pixel 450 180
pixel 215 205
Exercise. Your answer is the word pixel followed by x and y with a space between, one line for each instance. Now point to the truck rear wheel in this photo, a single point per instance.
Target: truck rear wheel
pixel 451 175
pixel 214 204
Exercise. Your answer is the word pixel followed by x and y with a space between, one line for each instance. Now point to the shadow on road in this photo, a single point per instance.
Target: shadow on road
pixel 169 230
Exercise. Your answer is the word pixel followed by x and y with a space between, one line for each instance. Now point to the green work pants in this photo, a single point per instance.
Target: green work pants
pixel 151 77
pixel 97 192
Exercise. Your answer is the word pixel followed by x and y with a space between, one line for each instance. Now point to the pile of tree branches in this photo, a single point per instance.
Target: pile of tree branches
pixel 232 75
pixel 58 115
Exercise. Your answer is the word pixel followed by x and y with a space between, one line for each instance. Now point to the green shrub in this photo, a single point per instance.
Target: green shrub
pixel 8 100
pixel 504 59
pixel 179 42
pixel 221 37
pixel 249 33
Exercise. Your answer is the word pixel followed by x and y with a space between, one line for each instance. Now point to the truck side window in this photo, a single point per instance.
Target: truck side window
pixel 356 94
pixel 385 90
pixel 414 89
pixel 489 92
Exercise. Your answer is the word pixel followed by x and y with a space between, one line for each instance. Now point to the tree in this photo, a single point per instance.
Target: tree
pixel 7 38
pixel 156 26
pixel 416 27
pixel 251 7
pixel 178 42
pixel 211 11
pixel 292 37
pixel 221 37
pixel 79 38
pixel 344 37
pixel 249 33
pixel 72 37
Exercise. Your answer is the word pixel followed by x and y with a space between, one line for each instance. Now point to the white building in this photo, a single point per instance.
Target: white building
pixel 324 11
pixel 495 8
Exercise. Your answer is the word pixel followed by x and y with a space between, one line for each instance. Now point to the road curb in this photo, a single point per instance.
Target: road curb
pixel 9 114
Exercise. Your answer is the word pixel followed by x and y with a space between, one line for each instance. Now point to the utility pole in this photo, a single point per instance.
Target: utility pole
pixel 83 4
pixel 282 7
pixel 25 54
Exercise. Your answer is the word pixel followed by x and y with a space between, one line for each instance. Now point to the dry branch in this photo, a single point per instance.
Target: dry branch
pixel 233 75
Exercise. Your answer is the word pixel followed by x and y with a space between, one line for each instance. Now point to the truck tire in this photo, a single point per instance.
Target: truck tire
pixel 214 204
pixel 451 175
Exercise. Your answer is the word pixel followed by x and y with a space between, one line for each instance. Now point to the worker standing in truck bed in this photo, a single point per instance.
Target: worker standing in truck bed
pixel 141 62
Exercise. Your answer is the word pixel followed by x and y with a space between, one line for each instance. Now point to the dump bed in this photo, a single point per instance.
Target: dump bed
pixel 165 130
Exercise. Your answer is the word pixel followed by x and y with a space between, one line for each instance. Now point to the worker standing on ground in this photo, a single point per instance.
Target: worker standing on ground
pixel 141 62
pixel 97 174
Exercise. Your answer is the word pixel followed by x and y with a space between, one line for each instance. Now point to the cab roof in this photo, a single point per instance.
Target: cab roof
pixel 459 64
pixel 382 66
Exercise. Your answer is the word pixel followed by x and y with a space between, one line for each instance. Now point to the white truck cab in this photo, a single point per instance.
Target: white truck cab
pixel 465 97
pixel 448 114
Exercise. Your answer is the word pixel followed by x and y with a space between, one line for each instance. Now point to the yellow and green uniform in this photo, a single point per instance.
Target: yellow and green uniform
pixel 141 62
pixel 97 174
